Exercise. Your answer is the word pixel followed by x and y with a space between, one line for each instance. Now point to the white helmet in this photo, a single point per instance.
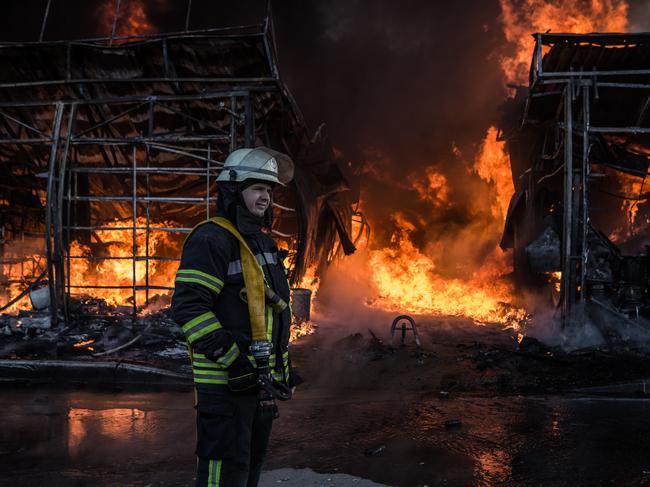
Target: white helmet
pixel 259 163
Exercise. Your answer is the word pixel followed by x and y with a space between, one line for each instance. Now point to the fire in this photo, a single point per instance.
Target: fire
pixel 299 330
pixel 521 18
pixel 85 343
pixel 132 18
pixel 555 278
pixel 119 272
pixel 406 280
pixel 493 165
pixel 631 187
pixel 434 189
pixel 310 281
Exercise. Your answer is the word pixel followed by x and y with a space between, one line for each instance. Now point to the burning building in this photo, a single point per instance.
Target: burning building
pixel 109 152
pixel 579 147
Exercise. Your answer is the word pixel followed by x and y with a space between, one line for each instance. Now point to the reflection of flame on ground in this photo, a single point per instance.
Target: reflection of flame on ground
pixel 120 424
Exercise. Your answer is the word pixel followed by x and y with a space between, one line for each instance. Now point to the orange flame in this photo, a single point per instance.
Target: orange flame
pixel 434 189
pixel 493 165
pixel 632 188
pixel 406 280
pixel 119 272
pixel 521 18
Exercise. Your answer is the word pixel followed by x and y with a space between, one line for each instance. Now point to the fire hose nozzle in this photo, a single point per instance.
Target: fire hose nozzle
pixel 261 350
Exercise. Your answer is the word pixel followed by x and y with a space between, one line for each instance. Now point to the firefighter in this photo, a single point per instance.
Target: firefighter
pixel 231 300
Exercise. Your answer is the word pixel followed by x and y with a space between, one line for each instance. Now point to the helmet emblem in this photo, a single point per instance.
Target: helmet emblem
pixel 273 164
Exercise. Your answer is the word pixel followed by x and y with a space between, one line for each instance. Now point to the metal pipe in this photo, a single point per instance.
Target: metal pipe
pixel 45 16
pixel 241 91
pixel 157 229
pixel 26 84
pixel 585 170
pixel 143 199
pixel 137 288
pixel 579 74
pixel 568 201
pixel 150 37
pixel 195 171
pixel 620 130
pixel 109 120
pixel 135 225
pixel 207 187
pixel 110 257
pixel 22 124
pixel 187 154
pixel 146 243
pixel 117 13
pixel 49 209
pixel 233 123
pixel 187 16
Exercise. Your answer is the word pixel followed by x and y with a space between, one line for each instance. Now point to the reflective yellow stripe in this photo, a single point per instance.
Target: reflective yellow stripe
pixel 203 380
pixel 194 280
pixel 201 325
pixel 214 473
pixel 218 474
pixel 197 320
pixel 214 280
pixel 215 373
pixel 229 357
pixel 210 376
pixel 206 364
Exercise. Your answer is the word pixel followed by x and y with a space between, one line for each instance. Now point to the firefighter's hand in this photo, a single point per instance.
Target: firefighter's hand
pixel 214 344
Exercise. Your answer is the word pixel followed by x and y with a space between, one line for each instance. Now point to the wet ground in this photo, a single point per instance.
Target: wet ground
pixel 84 438
pixel 452 420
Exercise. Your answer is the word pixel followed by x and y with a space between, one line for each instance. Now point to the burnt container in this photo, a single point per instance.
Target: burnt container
pixel 301 303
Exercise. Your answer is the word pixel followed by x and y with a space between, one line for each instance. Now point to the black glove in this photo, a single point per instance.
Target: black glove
pixel 242 376
pixel 214 344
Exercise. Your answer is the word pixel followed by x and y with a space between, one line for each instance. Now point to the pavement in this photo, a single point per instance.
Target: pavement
pixel 305 477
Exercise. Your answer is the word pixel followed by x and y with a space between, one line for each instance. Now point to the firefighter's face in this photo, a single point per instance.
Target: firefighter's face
pixel 257 198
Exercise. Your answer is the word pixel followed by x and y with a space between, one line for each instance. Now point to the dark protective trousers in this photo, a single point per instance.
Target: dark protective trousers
pixel 232 437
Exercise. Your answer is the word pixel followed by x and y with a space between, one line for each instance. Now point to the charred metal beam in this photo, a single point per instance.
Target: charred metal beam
pixel 56 130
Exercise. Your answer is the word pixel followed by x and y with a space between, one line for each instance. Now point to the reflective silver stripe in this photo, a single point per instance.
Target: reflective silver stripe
pixel 234 267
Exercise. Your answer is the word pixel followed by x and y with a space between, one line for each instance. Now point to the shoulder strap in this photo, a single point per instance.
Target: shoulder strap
pixel 253 278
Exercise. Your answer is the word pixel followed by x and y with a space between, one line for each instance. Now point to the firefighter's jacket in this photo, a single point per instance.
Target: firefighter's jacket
pixel 208 297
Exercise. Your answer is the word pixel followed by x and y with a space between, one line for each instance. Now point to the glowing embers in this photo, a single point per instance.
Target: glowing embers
pixel 85 344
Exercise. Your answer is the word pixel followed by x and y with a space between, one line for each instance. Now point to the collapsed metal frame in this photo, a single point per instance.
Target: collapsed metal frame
pixel 62 173
pixel 578 90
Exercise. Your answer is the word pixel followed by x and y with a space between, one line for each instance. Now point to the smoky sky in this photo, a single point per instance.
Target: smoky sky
pixel 401 86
